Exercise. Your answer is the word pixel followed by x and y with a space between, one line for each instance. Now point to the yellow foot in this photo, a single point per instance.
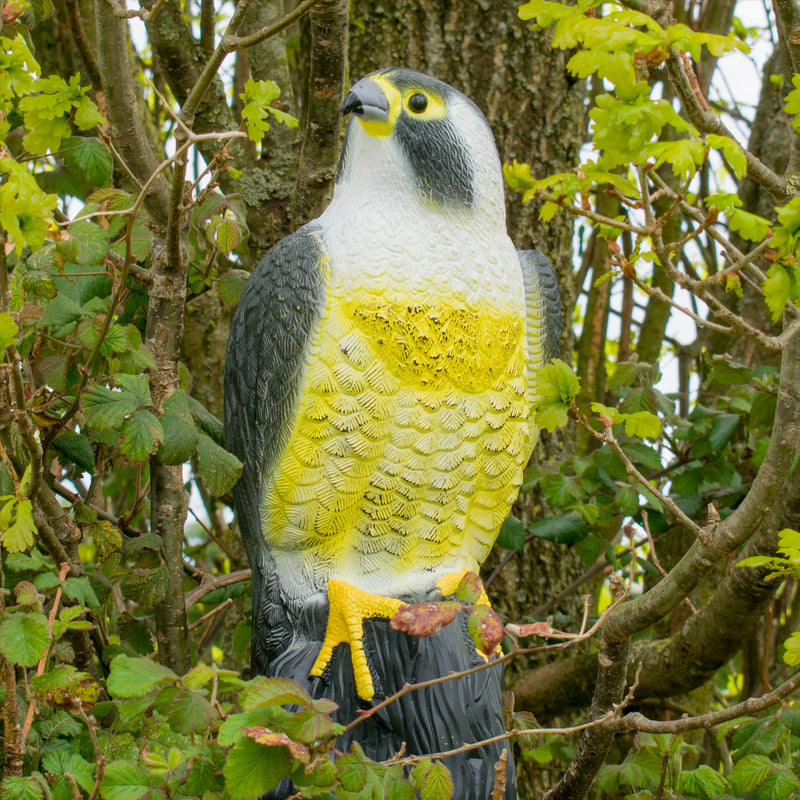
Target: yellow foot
pixel 349 607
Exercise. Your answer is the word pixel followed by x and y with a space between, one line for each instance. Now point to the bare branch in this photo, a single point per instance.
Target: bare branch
pixel 754 705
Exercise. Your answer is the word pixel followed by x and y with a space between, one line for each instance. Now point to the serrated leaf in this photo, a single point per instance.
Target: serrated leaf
pixel 251 770
pixel 351 773
pixel 61 763
pixel 141 435
pixel 749 226
pixel 180 432
pixel 87 115
pixel 227 234
pixel 17 528
pixel 8 330
pixel 135 677
pixel 396 785
pixel 16 788
pixel 512 534
pixel 309 725
pixel 557 386
pixel 231 284
pixel 437 783
pixel 273 691
pixel 80 590
pixel 75 448
pixel 778 290
pixel 703 782
pixel 124 780
pixel 217 468
pixel 642 424
pixel 24 638
pixel 106 409
pixel 270 738
pixel 749 773
pixel 190 712
pixel 89 158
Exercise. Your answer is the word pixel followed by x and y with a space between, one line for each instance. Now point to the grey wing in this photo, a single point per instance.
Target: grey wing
pixel 543 307
pixel 269 335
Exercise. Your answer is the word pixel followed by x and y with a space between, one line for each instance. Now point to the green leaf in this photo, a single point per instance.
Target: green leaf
pixel 231 284
pixel 135 677
pixel 87 115
pixel 24 638
pixel 512 534
pixel 309 725
pixel 722 430
pixel 17 527
pixel 251 769
pixel 749 226
pixel 565 529
pixel 87 243
pixel 206 421
pixel 779 289
pixel 141 435
pixel 8 330
pixel 80 590
pixel 15 788
pixel 61 763
pixel 89 158
pixel 273 691
pixel 217 468
pixel 703 782
pixel 783 783
pixel 557 386
pixel 106 409
pixel 642 424
pixel 436 784
pixel 791 654
pixel 351 772
pixel 75 448
pixel 124 780
pixel 190 712
pixel 750 772
pixel 180 432
pixel 61 311
pixel 137 385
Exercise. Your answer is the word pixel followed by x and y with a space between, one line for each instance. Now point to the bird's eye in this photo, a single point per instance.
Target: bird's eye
pixel 417 102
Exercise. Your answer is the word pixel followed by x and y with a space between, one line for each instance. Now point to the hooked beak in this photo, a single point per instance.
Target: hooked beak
pixel 368 101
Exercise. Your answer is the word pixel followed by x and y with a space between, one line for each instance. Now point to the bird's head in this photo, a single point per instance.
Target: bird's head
pixel 412 138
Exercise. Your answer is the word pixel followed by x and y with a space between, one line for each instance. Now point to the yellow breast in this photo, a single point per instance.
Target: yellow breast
pixel 408 446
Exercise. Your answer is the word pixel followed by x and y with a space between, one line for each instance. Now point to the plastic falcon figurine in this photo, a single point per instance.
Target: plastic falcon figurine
pixel 380 374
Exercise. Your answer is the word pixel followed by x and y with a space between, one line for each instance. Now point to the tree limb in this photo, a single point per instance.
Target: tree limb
pixel 320 150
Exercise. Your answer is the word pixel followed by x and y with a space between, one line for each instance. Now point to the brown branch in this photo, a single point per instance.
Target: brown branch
pixel 320 150
pixel 84 48
pixel 708 121
pixel 608 696
pixel 241 42
pixel 754 705
pixel 126 124
pixel 209 583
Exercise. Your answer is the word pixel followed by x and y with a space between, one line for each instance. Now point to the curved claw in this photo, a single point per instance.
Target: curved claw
pixel 349 607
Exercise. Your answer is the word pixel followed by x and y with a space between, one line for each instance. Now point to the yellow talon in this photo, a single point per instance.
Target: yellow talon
pixel 349 607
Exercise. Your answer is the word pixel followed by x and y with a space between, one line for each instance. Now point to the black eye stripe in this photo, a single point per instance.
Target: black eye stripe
pixel 417 102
